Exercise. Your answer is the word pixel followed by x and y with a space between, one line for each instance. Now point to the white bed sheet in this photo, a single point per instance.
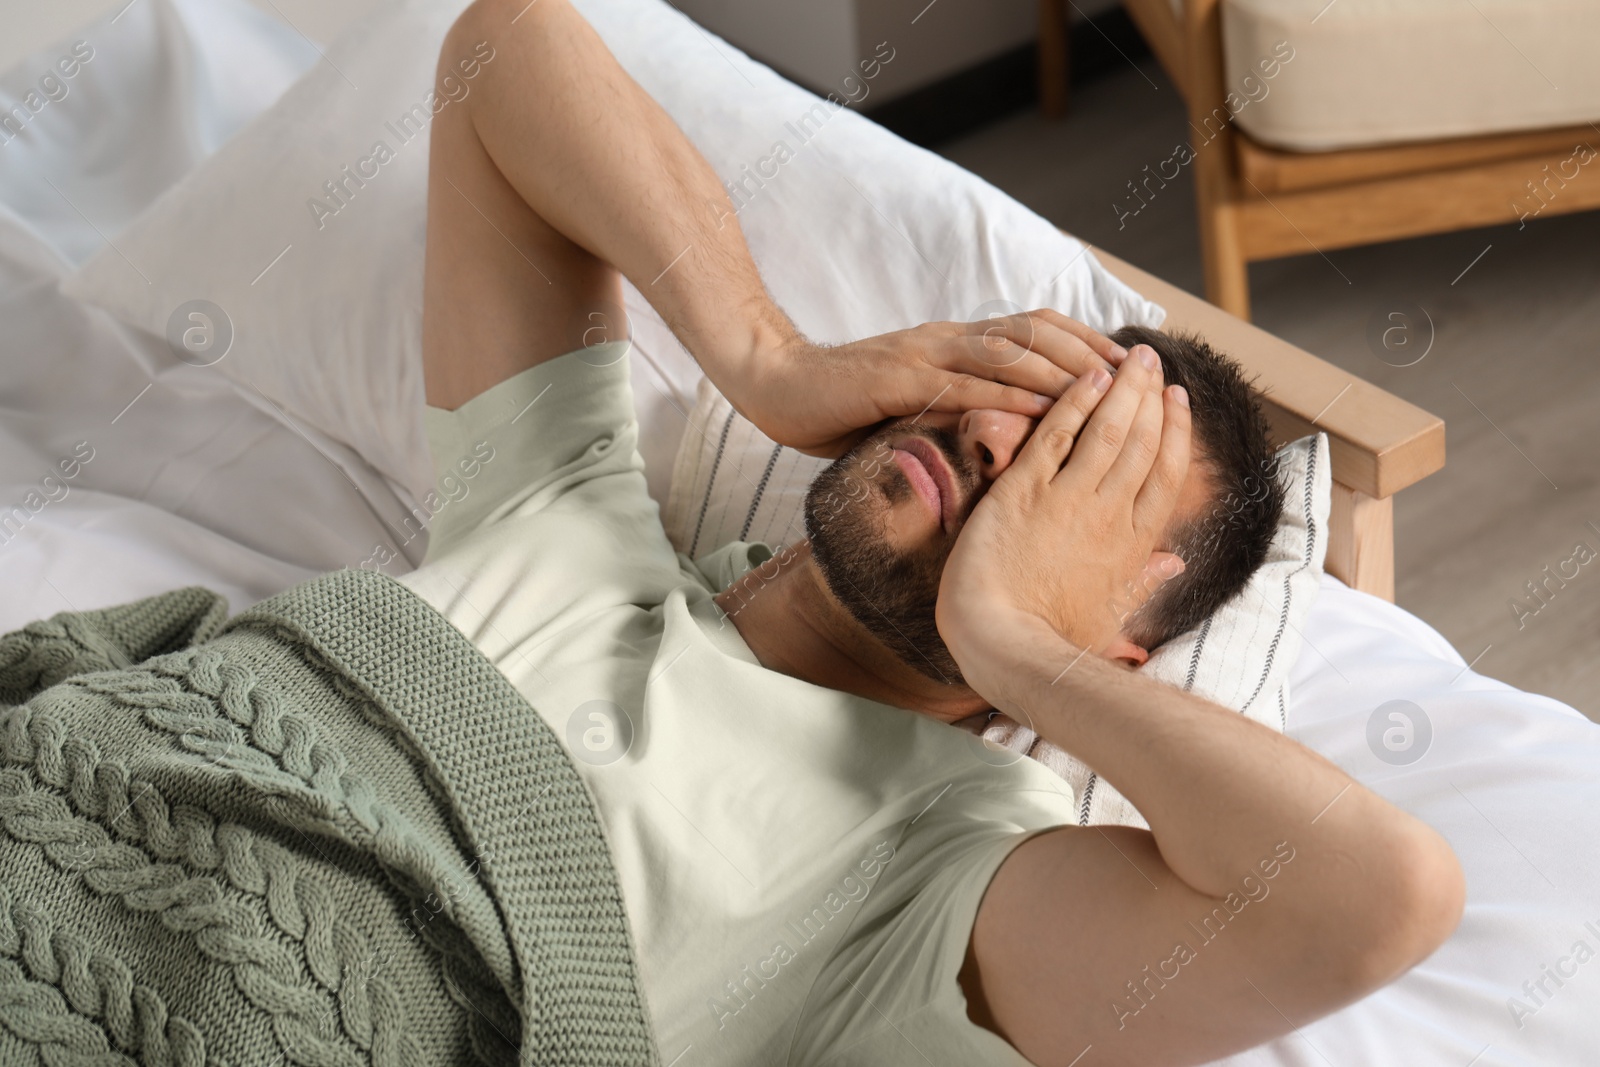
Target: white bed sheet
pixel 1512 780
pixel 191 484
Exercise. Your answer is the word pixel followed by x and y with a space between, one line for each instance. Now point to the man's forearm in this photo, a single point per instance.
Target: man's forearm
pixel 1218 790
pixel 599 160
pixel 558 172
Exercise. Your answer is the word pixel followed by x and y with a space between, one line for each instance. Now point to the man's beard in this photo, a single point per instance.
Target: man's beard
pixel 892 594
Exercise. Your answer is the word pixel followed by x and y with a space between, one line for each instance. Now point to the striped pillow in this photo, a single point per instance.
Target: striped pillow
pixel 730 482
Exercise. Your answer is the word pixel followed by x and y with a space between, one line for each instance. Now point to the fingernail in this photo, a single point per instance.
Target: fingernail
pixel 1099 380
pixel 1119 353
pixel 1171 567
pixel 1147 356
pixel 1181 395
pixel 1042 400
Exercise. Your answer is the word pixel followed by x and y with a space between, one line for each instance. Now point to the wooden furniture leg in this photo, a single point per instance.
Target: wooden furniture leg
pixel 1211 135
pixel 1053 58
pixel 1361 541
pixel 1227 273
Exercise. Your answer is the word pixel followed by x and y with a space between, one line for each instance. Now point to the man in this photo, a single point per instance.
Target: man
pixel 888 581
pixel 816 867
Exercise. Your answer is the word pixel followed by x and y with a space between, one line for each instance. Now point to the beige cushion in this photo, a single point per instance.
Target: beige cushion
pixel 1370 72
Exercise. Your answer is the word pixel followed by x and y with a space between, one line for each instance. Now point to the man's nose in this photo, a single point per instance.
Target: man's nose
pixel 992 439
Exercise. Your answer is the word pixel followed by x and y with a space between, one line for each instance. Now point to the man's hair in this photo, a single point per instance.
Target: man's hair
pixel 1223 546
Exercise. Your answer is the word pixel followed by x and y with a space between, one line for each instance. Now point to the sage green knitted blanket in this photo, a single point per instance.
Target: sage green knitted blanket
pixel 326 832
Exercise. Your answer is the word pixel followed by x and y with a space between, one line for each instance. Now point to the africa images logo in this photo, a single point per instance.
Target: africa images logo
pixel 1399 732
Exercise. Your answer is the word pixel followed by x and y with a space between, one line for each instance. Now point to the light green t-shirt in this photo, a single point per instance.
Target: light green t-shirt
pixel 801 867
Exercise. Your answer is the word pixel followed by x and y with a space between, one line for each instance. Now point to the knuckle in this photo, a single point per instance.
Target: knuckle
pixel 971 390
pixel 995 339
pixel 997 331
pixel 1110 434
pixel 1058 438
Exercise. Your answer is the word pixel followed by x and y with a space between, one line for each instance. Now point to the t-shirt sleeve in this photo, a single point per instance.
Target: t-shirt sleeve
pixel 890 993
pixel 528 439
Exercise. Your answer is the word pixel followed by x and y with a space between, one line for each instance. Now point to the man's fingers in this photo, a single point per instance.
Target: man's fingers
pixel 1153 506
pixel 1132 465
pixel 963 392
pixel 1002 340
pixel 1104 346
pixel 992 355
pixel 1056 433
pixel 1102 439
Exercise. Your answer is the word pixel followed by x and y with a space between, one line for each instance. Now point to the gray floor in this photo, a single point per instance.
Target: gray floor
pixel 1514 370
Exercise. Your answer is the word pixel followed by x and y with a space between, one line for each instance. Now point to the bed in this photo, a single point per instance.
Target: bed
pixel 182 477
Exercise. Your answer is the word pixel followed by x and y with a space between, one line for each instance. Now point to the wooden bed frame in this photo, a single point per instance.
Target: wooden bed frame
pixel 1379 443
pixel 1257 202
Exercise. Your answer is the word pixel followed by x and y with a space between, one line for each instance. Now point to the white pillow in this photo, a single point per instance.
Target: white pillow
pixel 324 314
pixel 118 111
pixel 331 331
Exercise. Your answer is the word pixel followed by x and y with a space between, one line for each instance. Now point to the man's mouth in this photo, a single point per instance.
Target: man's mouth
pixel 930 477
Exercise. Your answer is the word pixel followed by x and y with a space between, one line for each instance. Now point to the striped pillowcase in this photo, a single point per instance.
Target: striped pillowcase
pixel 730 482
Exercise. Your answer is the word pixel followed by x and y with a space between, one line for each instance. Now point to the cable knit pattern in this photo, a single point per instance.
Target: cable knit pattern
pixel 300 906
pixel 96 985
pixel 327 864
pixel 36 1013
pixel 44 652
pixel 221 929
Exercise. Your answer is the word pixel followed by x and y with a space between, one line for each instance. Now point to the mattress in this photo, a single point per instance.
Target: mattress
pixel 1372 72
pixel 190 484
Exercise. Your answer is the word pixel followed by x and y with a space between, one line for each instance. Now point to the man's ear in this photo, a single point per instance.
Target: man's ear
pixel 1159 569
pixel 1126 651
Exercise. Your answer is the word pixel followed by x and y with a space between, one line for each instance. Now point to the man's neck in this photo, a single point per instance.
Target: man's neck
pixel 794 626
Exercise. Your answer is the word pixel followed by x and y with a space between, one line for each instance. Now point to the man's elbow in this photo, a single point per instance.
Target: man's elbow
pixel 1420 905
